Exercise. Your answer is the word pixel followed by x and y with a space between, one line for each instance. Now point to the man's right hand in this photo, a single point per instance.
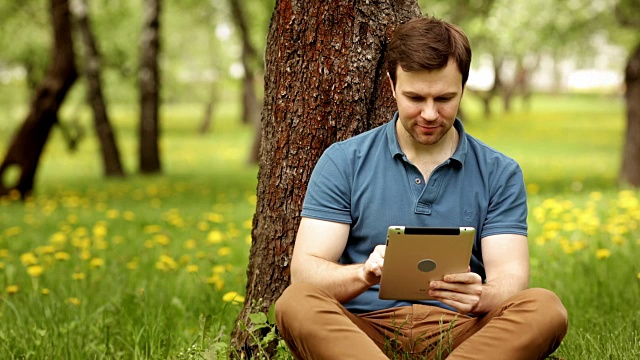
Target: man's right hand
pixel 372 268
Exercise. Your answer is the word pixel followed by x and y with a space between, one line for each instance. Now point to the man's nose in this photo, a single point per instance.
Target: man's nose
pixel 429 111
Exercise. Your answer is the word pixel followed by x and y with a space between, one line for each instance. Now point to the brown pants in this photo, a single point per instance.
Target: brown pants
pixel 529 325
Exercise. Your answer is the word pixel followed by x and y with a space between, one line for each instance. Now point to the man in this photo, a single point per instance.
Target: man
pixel 420 169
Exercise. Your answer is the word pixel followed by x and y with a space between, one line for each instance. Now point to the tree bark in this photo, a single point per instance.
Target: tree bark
pixel 325 81
pixel 149 83
pixel 27 145
pixel 109 149
pixel 630 172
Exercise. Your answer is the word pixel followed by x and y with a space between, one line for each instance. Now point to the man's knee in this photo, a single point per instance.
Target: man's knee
pixel 294 302
pixel 553 313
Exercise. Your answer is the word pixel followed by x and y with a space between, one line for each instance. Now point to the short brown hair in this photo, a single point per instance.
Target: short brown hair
pixel 428 43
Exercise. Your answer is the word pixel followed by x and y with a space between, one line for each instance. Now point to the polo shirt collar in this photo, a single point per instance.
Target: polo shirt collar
pixel 394 146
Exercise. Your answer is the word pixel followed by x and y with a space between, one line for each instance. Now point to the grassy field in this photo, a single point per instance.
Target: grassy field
pixel 152 267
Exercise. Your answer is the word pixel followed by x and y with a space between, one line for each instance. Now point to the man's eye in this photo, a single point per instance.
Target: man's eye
pixel 443 99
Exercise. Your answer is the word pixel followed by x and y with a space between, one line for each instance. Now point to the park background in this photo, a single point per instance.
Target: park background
pixel 154 265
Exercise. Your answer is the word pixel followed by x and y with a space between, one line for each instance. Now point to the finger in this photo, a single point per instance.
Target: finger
pixel 464 278
pixel 376 269
pixel 380 250
pixel 461 307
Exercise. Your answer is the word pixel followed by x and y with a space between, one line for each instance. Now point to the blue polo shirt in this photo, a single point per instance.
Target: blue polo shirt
pixel 368 182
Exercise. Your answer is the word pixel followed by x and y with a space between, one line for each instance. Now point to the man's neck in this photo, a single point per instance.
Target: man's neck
pixel 427 157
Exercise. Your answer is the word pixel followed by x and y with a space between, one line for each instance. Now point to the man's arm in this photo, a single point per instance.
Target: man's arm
pixel 319 245
pixel 506 263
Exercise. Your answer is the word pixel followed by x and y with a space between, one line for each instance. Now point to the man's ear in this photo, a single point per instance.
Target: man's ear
pixel 393 88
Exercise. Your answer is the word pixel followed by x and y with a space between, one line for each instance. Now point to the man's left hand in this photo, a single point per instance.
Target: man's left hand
pixel 460 291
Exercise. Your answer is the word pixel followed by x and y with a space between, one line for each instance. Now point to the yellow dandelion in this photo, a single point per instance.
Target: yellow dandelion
pixel 533 189
pixel 12 231
pixel 28 258
pixel 61 255
pixel 201 254
pixel 579 245
pixel 113 213
pixel 129 215
pixel 150 229
pixel 184 259
pixel 192 268
pixel 248 239
pixel 224 251
pixel 35 270
pixel 253 199
pixel 617 239
pixel 96 263
pixel 603 253
pixel 215 217
pixel 101 244
pixel 595 196
pixel 638 276
pixel 132 265
pixel 1 265
pixel 14 195
pixel 190 244
pixel 166 263
pixel 203 226
pixel 81 231
pixel 47 249
pixel 12 289
pixel 214 237
pixel 78 276
pixel 85 255
pixel 72 218
pixel 100 230
pixel 232 296
pixel 218 269
pixel 4 253
pixel 161 239
pixel 45 291
pixel 58 239
pixel 73 301
pixel 216 281
pixel 149 244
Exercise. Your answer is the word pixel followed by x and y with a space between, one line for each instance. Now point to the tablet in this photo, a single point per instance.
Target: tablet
pixel 417 255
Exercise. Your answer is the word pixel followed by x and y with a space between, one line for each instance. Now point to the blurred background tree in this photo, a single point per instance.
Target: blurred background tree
pixel 627 13
pixel 27 145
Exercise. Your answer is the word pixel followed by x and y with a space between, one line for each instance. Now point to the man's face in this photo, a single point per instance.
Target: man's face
pixel 428 102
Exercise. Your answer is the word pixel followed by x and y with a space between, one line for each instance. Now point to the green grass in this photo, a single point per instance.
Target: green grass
pixel 139 267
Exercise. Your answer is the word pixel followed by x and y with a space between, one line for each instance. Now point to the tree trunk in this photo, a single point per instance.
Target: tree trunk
pixel 250 105
pixel 630 172
pixel 110 154
pixel 325 81
pixel 28 143
pixel 207 116
pixel 149 83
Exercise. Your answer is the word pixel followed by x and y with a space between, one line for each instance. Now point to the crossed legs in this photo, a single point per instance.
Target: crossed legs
pixel 529 325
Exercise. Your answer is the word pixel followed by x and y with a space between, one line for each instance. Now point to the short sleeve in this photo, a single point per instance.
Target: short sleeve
pixel 507 208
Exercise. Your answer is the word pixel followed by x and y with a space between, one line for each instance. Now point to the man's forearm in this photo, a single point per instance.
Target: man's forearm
pixel 344 282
